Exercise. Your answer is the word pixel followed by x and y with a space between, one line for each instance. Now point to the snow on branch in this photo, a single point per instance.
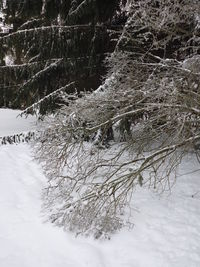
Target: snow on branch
pixel 14 72
pixel 36 105
pixel 52 28
pixel 115 119
pixel 38 75
pixel 80 9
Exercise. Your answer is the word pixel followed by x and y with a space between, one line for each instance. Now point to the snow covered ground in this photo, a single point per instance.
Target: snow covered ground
pixel 11 123
pixel 166 230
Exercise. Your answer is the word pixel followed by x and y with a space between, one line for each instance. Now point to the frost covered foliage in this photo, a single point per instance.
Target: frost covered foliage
pixel 135 129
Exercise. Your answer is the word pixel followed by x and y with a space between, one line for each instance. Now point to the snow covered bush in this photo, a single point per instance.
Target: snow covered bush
pixel 135 129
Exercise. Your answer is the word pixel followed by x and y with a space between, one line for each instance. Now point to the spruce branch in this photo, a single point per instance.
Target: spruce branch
pixel 37 104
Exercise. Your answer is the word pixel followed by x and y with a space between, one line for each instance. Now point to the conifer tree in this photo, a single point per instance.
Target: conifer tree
pixel 52 43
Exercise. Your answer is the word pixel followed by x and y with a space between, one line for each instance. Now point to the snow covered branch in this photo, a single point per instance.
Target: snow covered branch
pixel 37 104
pixel 135 129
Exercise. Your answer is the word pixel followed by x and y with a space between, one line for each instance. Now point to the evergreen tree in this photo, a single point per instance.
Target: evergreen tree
pixel 51 44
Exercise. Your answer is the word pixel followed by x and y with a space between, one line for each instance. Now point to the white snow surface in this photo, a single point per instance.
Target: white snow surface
pixel 11 123
pixel 166 231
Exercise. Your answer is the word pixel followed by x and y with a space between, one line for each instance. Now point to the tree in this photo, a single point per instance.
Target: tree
pixel 135 128
pixel 53 43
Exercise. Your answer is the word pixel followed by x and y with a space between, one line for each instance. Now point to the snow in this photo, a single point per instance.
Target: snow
pixel 166 230
pixel 11 123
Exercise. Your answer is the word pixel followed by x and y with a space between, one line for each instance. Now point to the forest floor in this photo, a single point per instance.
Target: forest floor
pixel 165 232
